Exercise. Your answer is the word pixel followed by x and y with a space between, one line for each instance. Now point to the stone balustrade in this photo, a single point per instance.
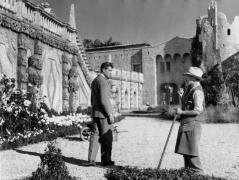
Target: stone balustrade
pixel 8 5
pixel 118 74
pixel 36 15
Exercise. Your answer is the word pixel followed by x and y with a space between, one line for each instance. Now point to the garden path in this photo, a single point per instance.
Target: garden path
pixel 140 143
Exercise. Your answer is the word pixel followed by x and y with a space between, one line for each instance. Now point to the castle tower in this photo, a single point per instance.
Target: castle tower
pixel 212 18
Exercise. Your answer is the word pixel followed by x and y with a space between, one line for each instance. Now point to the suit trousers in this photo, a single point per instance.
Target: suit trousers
pixel 193 162
pixel 102 135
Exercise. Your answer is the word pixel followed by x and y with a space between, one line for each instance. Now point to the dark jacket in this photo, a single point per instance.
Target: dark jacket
pixel 189 132
pixel 100 97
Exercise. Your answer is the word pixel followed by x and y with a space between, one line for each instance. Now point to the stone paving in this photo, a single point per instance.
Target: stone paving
pixel 140 143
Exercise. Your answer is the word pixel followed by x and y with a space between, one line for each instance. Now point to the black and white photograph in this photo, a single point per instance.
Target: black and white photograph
pixel 119 89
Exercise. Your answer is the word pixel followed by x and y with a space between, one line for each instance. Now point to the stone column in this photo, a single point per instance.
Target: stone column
pixel 73 85
pixel 22 76
pixel 35 66
pixel 65 81
pixel 131 92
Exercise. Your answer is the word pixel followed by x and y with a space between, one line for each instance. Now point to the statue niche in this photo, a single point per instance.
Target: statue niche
pixel 73 86
pixel 34 71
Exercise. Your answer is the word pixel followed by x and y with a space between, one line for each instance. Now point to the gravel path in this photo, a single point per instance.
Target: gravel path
pixel 140 143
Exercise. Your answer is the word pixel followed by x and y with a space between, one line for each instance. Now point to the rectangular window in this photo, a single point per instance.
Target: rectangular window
pixel 228 32
pixel 168 68
pixel 162 67
pixel 137 67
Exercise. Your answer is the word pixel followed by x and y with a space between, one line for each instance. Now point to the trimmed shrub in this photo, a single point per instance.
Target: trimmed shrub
pixel 133 173
pixel 52 166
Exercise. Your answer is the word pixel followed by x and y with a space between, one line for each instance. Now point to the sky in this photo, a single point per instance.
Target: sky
pixel 138 21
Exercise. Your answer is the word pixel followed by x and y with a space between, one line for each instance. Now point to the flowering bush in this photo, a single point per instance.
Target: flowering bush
pixel 18 115
pixel 68 120
pixel 24 118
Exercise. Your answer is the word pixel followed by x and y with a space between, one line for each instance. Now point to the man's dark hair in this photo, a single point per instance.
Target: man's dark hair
pixel 105 65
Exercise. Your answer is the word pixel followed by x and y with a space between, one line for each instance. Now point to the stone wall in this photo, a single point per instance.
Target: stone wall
pixel 9 52
pixel 123 57
pixel 41 51
pixel 52 76
pixel 150 80
pixel 164 65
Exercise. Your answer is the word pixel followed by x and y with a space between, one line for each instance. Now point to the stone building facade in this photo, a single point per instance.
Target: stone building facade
pixel 40 50
pixel 128 83
pixel 125 57
pixel 162 66
pixel 129 86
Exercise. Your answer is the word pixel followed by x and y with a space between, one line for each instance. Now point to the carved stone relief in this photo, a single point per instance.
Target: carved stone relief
pixel 8 53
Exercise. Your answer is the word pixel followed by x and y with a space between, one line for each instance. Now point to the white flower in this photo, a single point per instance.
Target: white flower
pixel 9 109
pixel 1 121
pixel 27 103
pixel 24 91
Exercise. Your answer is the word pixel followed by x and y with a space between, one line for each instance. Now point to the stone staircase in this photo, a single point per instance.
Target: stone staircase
pixel 84 63
pixel 83 53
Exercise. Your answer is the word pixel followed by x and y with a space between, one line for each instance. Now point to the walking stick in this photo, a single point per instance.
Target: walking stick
pixel 165 146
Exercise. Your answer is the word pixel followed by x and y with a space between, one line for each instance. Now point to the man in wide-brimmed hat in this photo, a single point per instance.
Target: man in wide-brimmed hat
pixel 189 131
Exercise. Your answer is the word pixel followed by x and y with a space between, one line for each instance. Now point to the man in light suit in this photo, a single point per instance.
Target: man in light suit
pixel 189 132
pixel 103 118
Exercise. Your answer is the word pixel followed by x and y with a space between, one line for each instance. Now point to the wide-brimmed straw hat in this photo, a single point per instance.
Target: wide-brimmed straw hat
pixel 194 72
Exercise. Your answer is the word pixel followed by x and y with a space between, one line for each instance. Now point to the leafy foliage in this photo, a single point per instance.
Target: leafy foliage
pixel 88 43
pixel 213 84
pixel 18 112
pixel 24 118
pixel 129 173
pixel 231 76
pixel 31 138
pixel 52 166
pixel 196 48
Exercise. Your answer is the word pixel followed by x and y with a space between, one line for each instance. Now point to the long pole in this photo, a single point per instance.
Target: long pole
pixel 165 146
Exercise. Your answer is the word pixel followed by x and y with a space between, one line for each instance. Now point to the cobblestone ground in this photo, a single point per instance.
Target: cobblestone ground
pixel 140 143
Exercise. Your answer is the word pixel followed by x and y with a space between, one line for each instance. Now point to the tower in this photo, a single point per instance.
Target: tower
pixel 212 18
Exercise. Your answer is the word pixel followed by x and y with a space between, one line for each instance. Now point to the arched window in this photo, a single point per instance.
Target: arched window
pixel 177 57
pixel 160 64
pixel 168 60
pixel 186 57
pixel 168 57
